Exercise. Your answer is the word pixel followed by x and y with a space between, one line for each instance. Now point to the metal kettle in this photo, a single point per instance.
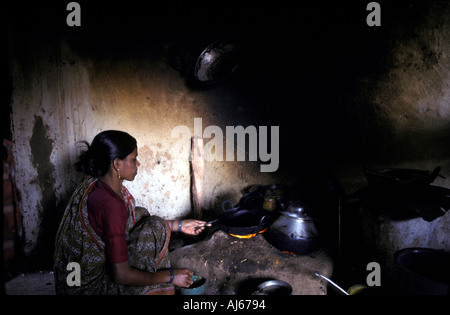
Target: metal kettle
pixel 294 231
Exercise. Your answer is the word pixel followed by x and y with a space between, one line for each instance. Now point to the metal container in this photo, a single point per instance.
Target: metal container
pixel 294 231
pixel 273 287
pixel 422 271
pixel 196 288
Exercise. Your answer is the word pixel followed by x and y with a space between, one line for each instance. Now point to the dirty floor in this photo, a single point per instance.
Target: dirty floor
pixel 37 283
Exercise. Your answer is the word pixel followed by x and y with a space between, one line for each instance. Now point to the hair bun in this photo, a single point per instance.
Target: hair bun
pixel 106 146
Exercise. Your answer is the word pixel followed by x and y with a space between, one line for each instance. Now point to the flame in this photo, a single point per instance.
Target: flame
pixel 248 235
pixel 244 236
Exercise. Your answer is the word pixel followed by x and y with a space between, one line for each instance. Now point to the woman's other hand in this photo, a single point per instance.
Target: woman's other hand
pixel 182 277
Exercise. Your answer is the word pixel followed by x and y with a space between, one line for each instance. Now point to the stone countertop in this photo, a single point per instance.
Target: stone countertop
pixel 236 266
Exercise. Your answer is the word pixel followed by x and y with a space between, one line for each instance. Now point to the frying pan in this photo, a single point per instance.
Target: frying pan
pixel 243 222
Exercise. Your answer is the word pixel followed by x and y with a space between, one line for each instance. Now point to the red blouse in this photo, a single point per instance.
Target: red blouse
pixel 108 217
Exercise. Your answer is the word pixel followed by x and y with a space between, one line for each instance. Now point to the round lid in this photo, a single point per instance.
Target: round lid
pixel 297 211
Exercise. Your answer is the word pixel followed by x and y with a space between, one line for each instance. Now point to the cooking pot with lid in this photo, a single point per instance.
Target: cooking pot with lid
pixel 294 231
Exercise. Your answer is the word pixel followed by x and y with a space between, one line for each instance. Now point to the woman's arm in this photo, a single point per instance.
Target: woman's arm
pixel 124 274
pixel 174 227
pixel 189 226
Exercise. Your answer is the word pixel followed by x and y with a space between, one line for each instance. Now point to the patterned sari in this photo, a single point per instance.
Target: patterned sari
pixel 147 242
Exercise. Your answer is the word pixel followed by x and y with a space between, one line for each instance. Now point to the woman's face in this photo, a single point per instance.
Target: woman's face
pixel 129 166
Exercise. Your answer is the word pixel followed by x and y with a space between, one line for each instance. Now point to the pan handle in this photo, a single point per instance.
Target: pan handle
pixel 264 220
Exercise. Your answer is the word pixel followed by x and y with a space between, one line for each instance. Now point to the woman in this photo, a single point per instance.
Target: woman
pixel 120 248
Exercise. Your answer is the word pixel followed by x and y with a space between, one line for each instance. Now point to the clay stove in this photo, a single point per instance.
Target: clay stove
pixel 234 266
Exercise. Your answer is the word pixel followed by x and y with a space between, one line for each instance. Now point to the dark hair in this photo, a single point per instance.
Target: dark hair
pixel 104 149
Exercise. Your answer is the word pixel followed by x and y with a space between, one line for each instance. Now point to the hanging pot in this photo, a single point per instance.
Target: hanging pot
pixel 217 61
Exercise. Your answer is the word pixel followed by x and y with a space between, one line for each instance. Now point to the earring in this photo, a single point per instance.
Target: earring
pixel 118 173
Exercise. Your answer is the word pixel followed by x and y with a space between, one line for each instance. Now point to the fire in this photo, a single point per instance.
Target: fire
pixel 248 235
pixel 244 236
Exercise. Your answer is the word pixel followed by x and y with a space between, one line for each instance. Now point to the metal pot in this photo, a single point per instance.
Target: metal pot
pixel 293 231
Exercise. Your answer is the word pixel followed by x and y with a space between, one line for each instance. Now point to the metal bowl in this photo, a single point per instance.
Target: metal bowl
pixel 196 288
pixel 273 287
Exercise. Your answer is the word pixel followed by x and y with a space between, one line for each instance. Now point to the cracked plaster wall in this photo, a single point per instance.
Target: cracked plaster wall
pixel 63 98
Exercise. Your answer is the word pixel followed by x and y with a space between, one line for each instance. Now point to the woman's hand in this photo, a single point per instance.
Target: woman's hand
pixel 182 277
pixel 193 227
pixel 124 274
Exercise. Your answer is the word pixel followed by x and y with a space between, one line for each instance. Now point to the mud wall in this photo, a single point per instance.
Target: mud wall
pixel 63 95
pixel 352 97
pixel 72 100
